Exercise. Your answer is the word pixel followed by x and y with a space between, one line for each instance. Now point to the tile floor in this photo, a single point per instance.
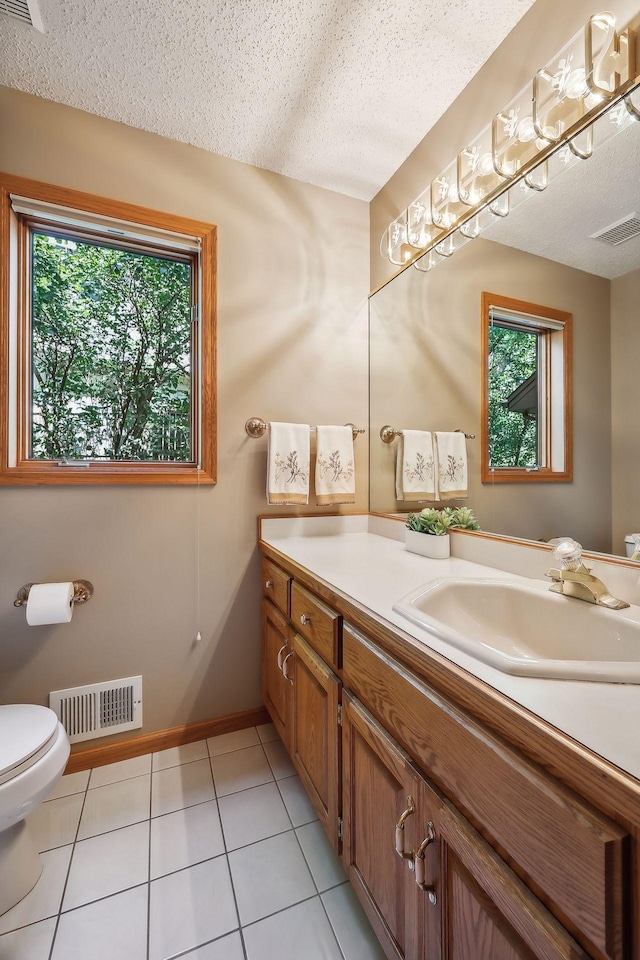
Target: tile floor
pixel 210 851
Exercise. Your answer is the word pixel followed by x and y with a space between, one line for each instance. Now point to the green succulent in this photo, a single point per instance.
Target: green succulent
pixel 463 518
pixel 438 522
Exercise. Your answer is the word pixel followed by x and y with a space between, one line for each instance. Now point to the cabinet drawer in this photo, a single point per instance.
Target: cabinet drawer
pixel 569 853
pixel 276 585
pixel 319 625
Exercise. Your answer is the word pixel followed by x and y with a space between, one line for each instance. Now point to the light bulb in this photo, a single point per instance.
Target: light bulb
pixel 577 87
pixel 526 130
pixel 485 166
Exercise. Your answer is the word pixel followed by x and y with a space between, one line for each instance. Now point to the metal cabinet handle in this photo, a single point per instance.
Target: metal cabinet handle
pixel 419 864
pixel 304 619
pixel 400 830
pixel 284 668
pixel 283 647
pixel 268 584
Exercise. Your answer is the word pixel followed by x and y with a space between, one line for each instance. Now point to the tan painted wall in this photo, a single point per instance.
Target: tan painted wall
pixel 293 281
pixel 543 30
pixel 426 374
pixel 625 350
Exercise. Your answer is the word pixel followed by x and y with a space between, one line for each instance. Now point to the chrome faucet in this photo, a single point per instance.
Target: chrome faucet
pixel 573 579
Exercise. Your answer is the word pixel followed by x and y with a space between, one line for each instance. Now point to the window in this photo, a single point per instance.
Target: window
pixel 109 331
pixel 526 400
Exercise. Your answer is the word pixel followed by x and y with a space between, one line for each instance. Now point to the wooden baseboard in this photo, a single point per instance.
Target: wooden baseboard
pixel 162 739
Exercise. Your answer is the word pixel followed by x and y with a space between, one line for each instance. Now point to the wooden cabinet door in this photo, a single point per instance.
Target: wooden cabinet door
pixel 277 676
pixel 380 788
pixel 315 733
pixel 486 912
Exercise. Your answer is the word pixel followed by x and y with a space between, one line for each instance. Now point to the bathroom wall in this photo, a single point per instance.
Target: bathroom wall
pixel 293 278
pixel 543 30
pixel 625 350
pixel 426 374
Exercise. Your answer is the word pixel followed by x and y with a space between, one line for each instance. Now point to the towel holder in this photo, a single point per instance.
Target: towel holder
pixel 388 434
pixel 82 591
pixel 256 427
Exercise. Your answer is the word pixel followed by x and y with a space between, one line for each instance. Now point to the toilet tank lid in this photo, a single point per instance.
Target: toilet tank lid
pixel 24 729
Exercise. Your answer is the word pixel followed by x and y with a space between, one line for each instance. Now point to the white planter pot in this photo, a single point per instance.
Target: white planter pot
pixel 438 548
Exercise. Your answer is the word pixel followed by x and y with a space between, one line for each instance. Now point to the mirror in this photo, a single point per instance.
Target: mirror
pixel 574 247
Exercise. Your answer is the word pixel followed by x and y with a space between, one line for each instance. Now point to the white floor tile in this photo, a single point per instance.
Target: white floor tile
pixel 55 823
pixel 185 837
pixel 301 931
pixel 107 864
pixel 253 815
pixel 227 948
pixel 70 783
pixel 297 801
pixel 122 770
pixel 325 866
pixel 350 925
pixel 228 742
pixel 186 753
pixel 269 876
pixel 240 770
pixel 30 943
pixel 267 732
pixel 190 908
pixel 115 805
pixel 115 927
pixel 178 787
pixel 44 900
pixel 279 760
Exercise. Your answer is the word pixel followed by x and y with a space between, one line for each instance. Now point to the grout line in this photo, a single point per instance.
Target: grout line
pixel 275 913
pixel 207 943
pixel 233 887
pixel 149 865
pixel 66 879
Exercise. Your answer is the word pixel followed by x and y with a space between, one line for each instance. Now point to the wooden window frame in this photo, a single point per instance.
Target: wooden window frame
pixel 15 466
pixel 545 474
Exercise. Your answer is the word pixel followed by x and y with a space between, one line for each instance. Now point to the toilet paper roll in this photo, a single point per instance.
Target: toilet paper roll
pixel 49 603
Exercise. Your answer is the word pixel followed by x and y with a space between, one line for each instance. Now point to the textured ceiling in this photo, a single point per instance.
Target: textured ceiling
pixel 333 93
pixel 558 223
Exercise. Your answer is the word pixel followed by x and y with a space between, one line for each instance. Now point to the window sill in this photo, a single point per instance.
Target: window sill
pixel 104 475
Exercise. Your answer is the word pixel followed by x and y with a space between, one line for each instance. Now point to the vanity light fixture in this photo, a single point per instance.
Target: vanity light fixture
pixel 546 128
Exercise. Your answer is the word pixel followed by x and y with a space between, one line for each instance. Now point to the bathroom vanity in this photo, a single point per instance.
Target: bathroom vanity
pixel 478 814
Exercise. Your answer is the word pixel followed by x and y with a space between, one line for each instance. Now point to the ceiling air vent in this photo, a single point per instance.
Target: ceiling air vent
pixel 621 230
pixel 25 10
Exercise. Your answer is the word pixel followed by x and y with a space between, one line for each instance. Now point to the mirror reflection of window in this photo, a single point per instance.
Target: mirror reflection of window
pixel 514 371
pixel 526 391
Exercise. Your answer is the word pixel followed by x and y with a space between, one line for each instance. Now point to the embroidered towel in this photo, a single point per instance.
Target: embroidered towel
pixel 288 463
pixel 451 458
pixel 335 473
pixel 415 473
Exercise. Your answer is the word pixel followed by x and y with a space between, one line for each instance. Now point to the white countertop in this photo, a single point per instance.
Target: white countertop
pixel 364 557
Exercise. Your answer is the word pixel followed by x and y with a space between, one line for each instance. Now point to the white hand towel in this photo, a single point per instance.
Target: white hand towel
pixel 451 459
pixel 415 467
pixel 335 473
pixel 288 463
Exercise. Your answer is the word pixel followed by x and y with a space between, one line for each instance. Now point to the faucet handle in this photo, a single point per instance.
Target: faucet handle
pixel 568 553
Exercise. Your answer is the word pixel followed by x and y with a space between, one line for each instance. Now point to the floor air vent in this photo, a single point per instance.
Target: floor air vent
pixel 619 231
pixel 25 10
pixel 99 709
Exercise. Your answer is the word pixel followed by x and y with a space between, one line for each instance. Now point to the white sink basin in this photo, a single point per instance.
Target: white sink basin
pixel 524 629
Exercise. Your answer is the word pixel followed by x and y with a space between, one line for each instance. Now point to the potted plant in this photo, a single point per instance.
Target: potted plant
pixel 427 532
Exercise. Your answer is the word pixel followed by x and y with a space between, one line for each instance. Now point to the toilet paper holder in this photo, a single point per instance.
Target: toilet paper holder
pixel 82 591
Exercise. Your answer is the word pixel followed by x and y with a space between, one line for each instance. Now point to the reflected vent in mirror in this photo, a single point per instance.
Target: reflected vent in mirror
pixel 621 230
pixel 25 10
pixel 99 709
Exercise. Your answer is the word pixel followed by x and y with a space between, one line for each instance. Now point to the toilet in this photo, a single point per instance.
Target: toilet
pixel 631 543
pixel 34 749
